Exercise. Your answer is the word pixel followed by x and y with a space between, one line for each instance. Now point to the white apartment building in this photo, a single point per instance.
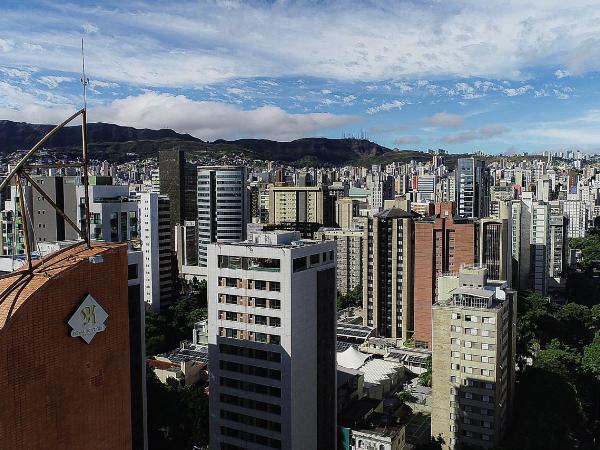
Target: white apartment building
pixel 577 213
pixel 473 366
pixel 272 319
pixel 155 235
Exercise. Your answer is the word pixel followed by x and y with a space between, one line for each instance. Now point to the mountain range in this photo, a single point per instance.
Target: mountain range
pixel 119 144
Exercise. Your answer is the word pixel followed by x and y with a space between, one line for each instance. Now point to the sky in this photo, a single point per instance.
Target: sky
pixel 493 76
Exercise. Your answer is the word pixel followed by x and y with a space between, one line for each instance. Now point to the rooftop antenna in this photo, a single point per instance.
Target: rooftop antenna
pixel 84 80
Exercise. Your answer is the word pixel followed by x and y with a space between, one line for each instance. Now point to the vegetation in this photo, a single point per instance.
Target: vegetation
pixel 557 402
pixel 425 377
pixel 352 299
pixel 177 415
pixel 166 330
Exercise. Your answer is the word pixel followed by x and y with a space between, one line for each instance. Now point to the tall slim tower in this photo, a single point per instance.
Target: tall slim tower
pixel 155 234
pixel 222 207
pixel 388 275
pixel 472 197
pixel 272 320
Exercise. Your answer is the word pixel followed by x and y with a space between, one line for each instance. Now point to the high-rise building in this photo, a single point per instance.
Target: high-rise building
pixel 350 248
pixel 577 215
pixel 388 273
pixel 222 207
pixel 346 209
pixel 155 235
pixel 113 213
pixel 310 204
pixel 442 243
pixel 495 245
pixel 272 319
pixel 177 179
pixel 472 180
pixel 186 244
pixel 380 187
pixel 473 366
pixel 81 378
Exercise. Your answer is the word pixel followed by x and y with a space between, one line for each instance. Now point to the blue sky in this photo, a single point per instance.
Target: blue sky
pixel 496 76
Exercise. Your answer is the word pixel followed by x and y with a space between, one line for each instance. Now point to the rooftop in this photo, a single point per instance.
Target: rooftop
pixel 18 286
pixel 396 213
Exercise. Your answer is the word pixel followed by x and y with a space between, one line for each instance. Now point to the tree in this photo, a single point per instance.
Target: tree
pixel 590 249
pixel 559 359
pixel 352 299
pixel 591 358
pixel 575 321
pixel 425 377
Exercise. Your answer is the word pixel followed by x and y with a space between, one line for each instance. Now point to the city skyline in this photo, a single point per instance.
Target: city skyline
pixel 409 75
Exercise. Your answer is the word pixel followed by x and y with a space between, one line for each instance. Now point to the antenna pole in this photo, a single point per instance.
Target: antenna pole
pixel 85 81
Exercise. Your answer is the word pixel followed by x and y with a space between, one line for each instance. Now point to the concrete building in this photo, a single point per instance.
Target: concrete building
pixel 13 236
pixel 346 209
pixel 495 246
pixel 578 215
pixel 186 244
pixel 155 234
pixel 272 343
pixel 350 247
pixel 473 366
pixel 222 207
pixel 113 213
pixel 472 186
pixel 301 204
pixel 177 180
pixel 388 274
pixel 442 243
pixel 380 187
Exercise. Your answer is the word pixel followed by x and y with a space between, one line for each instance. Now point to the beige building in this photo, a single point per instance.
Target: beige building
pixel 346 209
pixel 349 255
pixel 299 204
pixel 474 328
pixel 388 273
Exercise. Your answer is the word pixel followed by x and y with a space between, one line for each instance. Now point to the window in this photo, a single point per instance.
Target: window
pixel 275 304
pixel 274 321
pixel 485 346
pixel 456 354
pixel 132 271
pixel 468 344
pixel 485 333
pixel 468 357
pixel 468 370
pixel 456 315
pixel 274 286
pixel 299 264
pixel 488 320
pixel 314 259
pixel 455 328
pixel 454 341
pixel 260 320
pixel 260 302
pixel 485 359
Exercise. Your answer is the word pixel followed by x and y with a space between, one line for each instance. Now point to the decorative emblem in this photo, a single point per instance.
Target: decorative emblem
pixel 88 320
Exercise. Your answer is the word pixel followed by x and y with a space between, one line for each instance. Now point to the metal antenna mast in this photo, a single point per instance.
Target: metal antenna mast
pixel 20 174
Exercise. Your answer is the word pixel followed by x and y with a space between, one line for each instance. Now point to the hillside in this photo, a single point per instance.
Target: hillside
pixel 121 144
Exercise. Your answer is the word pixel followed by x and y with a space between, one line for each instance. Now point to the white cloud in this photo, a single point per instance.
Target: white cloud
pixel 395 104
pixel 325 91
pixel 561 74
pixel 444 119
pixel 407 140
pixel 484 132
pixel 513 92
pixel 6 45
pixel 53 81
pixel 89 28
pixel 20 74
pixel 195 43
pixel 214 120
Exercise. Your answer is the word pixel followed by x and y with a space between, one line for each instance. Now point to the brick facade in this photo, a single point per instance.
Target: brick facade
pixel 442 244
pixel 56 391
